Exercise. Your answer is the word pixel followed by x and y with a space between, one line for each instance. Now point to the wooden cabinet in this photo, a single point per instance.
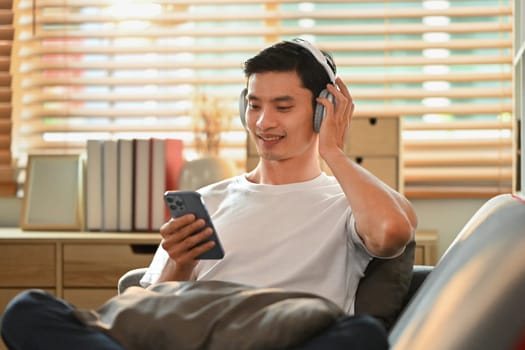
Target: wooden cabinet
pixel 82 268
pixel 374 137
pixel 426 248
pixel 374 143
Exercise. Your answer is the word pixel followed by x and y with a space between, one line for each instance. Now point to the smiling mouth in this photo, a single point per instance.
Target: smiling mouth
pixel 270 138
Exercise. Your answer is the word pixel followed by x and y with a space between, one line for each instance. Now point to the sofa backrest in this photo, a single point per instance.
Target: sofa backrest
pixel 473 299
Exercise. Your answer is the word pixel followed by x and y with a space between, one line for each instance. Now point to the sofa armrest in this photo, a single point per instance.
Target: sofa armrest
pixel 131 278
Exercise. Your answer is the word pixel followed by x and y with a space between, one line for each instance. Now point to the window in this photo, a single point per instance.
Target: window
pixel 106 69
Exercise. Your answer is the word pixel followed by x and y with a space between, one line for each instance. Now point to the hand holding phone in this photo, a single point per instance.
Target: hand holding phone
pixel 190 202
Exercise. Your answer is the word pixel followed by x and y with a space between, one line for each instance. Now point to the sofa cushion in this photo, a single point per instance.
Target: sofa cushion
pixel 382 291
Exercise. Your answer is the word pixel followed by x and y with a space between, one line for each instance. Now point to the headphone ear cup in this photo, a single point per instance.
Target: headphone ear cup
pixel 320 111
pixel 243 104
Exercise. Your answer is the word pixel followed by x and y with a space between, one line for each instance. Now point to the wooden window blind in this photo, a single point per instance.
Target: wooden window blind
pixel 7 174
pixel 107 69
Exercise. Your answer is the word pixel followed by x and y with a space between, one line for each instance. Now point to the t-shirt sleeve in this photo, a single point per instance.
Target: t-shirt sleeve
pixel 355 239
pixel 358 241
pixel 155 268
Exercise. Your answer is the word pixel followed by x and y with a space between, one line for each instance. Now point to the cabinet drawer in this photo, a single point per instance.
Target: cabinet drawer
pixel 89 298
pixel 100 265
pixel 385 168
pixel 373 136
pixel 27 265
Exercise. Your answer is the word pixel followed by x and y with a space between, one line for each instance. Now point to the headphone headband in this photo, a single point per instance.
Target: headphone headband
pixel 318 55
pixel 319 111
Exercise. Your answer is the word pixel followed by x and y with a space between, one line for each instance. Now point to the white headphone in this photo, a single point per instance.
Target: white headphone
pixel 319 112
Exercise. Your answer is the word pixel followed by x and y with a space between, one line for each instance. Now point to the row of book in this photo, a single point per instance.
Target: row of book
pixel 126 180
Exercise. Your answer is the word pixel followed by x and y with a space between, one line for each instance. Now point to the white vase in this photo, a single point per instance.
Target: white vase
pixel 204 171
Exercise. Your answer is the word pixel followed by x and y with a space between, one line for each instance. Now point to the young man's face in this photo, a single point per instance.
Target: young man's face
pixel 280 115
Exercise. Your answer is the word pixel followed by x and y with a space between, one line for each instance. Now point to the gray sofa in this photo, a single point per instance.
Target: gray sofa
pixel 474 297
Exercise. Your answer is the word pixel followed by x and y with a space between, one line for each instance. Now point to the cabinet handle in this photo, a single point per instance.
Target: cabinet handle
pixel 144 248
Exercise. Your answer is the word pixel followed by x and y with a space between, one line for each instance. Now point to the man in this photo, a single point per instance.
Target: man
pixel 286 224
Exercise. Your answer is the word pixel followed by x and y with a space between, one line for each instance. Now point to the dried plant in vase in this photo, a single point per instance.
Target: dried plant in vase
pixel 210 119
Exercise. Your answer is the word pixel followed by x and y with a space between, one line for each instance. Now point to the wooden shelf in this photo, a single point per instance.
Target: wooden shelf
pixel 81 267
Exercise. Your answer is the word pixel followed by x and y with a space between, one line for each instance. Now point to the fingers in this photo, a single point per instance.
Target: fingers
pixel 341 92
pixel 179 228
pixel 343 88
pixel 343 97
pixel 182 238
pixel 175 224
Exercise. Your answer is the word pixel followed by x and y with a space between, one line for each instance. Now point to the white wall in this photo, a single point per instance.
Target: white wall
pixel 446 216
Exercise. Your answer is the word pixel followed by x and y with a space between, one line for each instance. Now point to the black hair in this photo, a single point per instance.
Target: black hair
pixel 286 56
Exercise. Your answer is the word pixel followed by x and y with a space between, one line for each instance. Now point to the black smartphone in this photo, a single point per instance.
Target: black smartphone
pixel 190 202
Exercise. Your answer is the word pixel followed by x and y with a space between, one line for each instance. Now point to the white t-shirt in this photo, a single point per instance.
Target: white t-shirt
pixel 297 236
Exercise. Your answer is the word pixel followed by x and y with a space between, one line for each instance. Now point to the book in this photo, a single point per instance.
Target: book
pixel 109 185
pixel 158 184
pixel 174 163
pixel 141 184
pixel 167 161
pixel 125 185
pixel 94 185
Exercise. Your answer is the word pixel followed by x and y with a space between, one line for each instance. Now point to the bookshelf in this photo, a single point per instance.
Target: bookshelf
pixel 81 267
